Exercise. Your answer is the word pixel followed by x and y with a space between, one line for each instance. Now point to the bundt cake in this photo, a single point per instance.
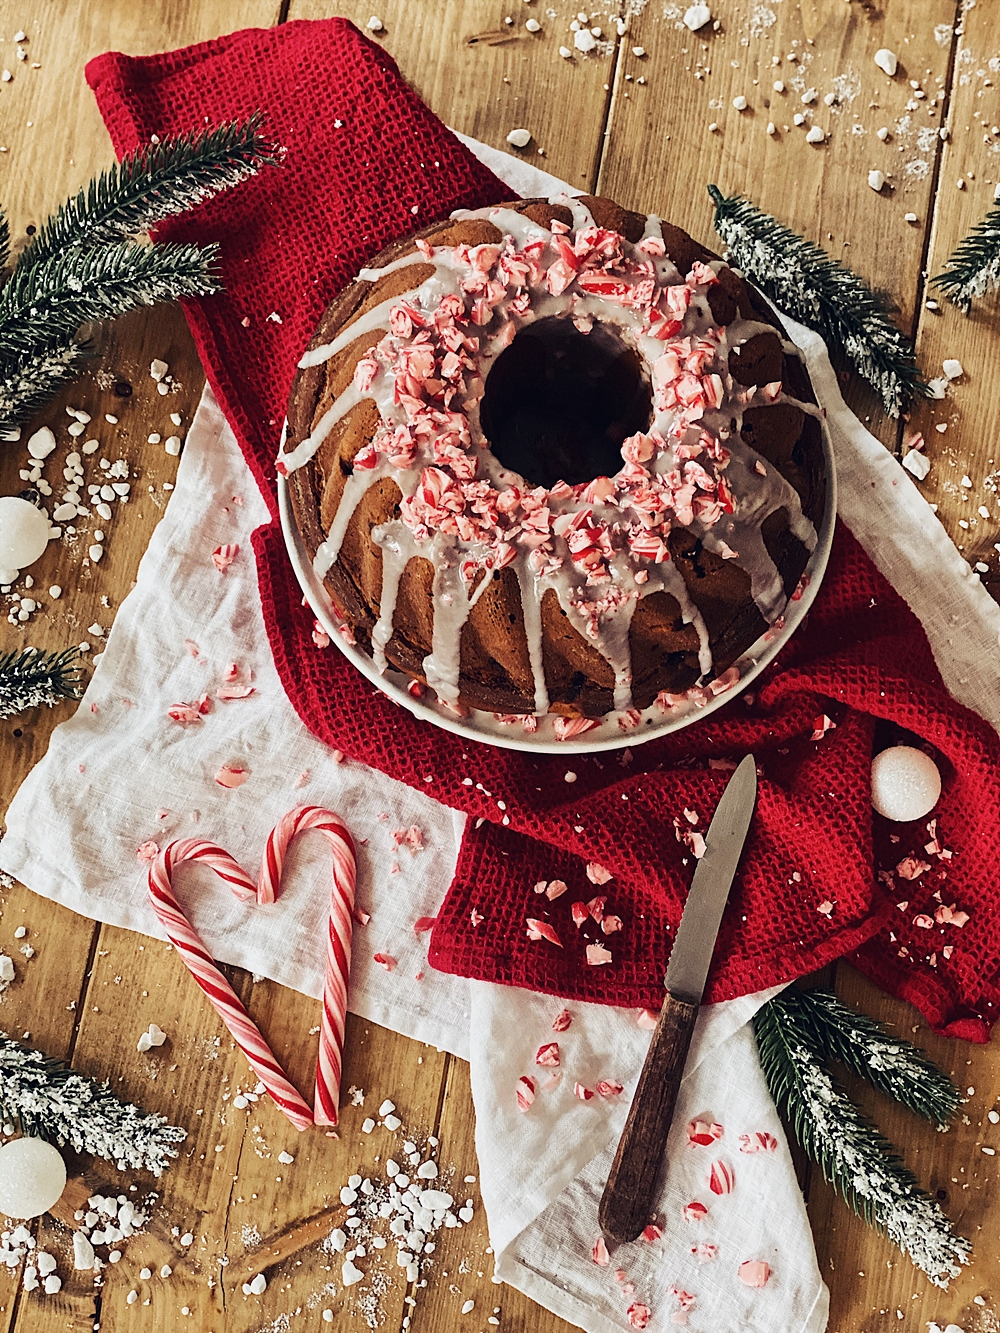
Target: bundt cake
pixel 555 457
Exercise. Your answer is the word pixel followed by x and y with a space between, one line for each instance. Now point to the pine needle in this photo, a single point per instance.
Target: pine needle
pixel 155 182
pixel 889 1063
pixel 46 1099
pixel 4 239
pixel 37 378
pixel 861 1165
pixel 30 679
pixel 973 268
pixel 43 305
pixel 823 294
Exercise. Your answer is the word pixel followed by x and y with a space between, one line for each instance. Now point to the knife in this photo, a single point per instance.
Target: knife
pixel 627 1202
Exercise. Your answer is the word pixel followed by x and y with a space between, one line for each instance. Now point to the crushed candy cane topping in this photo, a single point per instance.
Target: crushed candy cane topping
pixel 600 545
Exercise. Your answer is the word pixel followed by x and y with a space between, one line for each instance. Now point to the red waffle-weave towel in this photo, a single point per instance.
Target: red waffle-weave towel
pixel 366 164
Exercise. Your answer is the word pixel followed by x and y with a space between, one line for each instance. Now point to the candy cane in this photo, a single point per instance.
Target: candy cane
pixel 338 953
pixel 202 967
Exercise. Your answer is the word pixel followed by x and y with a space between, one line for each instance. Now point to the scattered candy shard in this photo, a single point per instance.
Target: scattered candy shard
pixel 754 1272
pixel 599 1252
pixel 525 1092
pixel 761 1141
pixel 637 1313
pixel 562 1020
pixel 584 1093
pixel 703 1133
pixel 548 1054
pixel 721 1178
pixel 232 775
pixel 541 930
pixel 597 955
pixel 223 556
pixel 597 874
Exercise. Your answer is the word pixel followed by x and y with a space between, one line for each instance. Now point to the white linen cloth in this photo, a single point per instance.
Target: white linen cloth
pixel 120 772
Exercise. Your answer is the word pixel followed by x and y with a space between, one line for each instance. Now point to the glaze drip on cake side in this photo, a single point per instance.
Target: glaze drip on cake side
pixel 599 546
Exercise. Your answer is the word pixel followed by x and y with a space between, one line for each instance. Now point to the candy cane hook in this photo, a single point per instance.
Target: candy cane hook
pixel 221 995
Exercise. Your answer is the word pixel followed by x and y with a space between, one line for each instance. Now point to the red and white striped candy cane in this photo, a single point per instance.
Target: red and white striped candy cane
pixel 338 954
pixel 202 967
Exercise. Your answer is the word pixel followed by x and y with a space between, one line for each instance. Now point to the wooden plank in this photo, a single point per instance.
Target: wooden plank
pixel 485 77
pixel 662 151
pixel 48 115
pixel 968 446
pixel 463 1258
pixel 868 1278
pixel 54 141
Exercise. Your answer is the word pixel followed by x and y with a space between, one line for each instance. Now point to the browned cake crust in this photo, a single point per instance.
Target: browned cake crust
pixel 495 668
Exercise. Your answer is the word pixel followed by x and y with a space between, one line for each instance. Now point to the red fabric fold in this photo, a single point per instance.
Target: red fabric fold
pixel 366 163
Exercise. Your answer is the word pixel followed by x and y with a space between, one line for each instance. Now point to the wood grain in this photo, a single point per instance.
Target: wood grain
pixel 951 1166
pixel 662 148
pixel 968 446
pixel 636 1172
pixel 485 77
pixel 88 990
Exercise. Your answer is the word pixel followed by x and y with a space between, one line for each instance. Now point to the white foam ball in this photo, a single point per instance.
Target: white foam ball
pixel 32 1177
pixel 24 533
pixel 906 784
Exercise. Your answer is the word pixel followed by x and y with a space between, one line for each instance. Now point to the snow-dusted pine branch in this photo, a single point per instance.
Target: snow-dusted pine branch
pixel 46 1099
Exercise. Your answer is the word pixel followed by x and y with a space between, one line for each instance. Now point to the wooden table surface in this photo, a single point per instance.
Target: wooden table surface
pixel 647 119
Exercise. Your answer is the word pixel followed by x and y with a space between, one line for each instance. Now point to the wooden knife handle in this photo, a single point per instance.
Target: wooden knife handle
pixel 627 1202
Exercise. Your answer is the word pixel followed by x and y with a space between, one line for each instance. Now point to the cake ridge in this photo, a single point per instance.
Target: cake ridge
pixel 602 546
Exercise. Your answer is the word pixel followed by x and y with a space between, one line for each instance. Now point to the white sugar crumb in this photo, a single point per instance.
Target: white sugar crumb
pixel 519 138
pixel 697 16
pixel 387 1107
pixel 917 463
pixel 876 179
pixel 375 24
pixel 285 1158
pixel 886 61
pixel 816 135
pixel 357 1095
pixel 952 368
pixel 367 1125
pixel 740 103
pixel 468 1307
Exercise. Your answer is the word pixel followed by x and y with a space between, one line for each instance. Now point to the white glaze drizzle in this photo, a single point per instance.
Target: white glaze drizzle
pixel 758 495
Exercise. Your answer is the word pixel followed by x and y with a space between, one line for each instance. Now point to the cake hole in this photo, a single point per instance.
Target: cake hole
pixel 559 403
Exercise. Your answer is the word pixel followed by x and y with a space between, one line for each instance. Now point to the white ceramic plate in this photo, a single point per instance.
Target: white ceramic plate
pixel 608 734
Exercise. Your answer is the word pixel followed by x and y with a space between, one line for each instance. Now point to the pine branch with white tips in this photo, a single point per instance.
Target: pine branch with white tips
pixel 30 679
pixel 155 182
pixel 973 267
pixel 863 1167
pixel 818 291
pixel 85 265
pixel 45 1098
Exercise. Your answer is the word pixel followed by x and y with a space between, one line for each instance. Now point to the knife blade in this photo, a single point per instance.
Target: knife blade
pixel 628 1196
